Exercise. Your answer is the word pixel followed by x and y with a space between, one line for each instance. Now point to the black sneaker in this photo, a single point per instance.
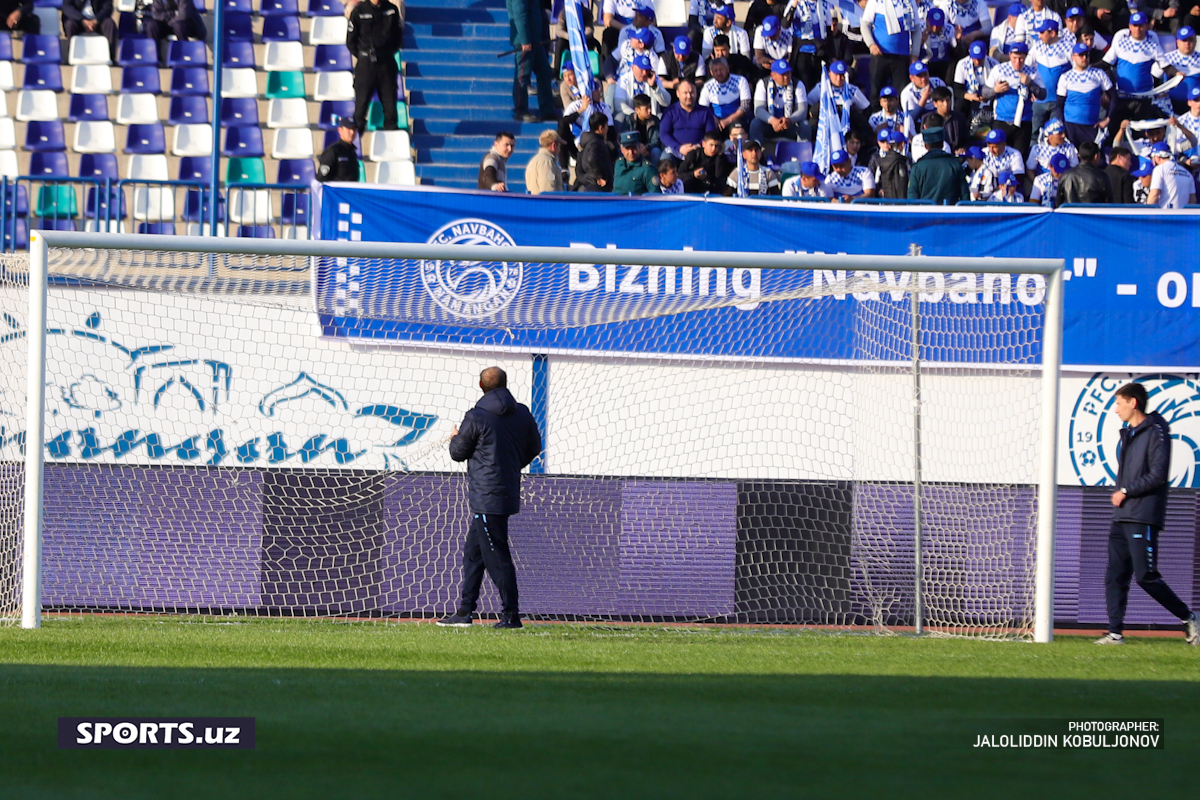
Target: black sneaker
pixel 458 620
pixel 525 116
pixel 508 622
pixel 1191 629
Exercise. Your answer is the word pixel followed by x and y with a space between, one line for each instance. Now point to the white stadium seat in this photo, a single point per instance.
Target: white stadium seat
pixel 147 168
pixel 240 82
pixel 8 134
pixel 8 163
pixel 295 232
pixel 327 30
pixel 104 226
pixel 249 206
pixel 6 77
pixel 153 204
pixel 292 143
pixel 396 172
pixel 287 112
pixel 390 146
pixel 201 229
pixel 3 103
pixel 126 5
pixel 95 136
pixel 192 140
pixel 92 78
pixel 284 57
pixel 88 50
pixel 137 109
pixel 334 85
pixel 36 105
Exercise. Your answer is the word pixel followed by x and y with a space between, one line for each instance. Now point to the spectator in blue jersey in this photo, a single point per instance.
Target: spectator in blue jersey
pixel 844 95
pixel 916 99
pixel 1183 60
pixel 641 79
pixel 1055 144
pixel 725 24
pixel 981 182
pixel 643 20
pixel 970 78
pixel 727 95
pixel 1134 53
pixel 616 14
pixel 668 178
pixel 1075 23
pixel 1016 86
pixel 1008 188
pixel 847 181
pixel 780 106
pixel 809 183
pixel 1171 185
pixel 892 31
pixel 1029 24
pixel 684 123
pixel 1085 97
pixel 998 156
pixel 1051 57
pixel 1142 173
pixel 1004 34
pixel 700 16
pixel 812 30
pixel 772 42
pixel 682 68
pixel 970 21
pixel 1184 134
pixel 938 44
pixel 889 116
pixel 1045 185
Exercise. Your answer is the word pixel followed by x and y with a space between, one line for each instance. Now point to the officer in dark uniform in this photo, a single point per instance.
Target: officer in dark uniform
pixel 339 162
pixel 373 35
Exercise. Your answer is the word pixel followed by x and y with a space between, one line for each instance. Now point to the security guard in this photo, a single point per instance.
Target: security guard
pixel 339 162
pixel 373 35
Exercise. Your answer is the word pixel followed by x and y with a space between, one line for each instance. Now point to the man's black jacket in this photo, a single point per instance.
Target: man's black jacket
pixel 498 438
pixel 1144 472
pixel 1084 184
pixel 1122 183
pixel 716 172
pixel 374 32
pixel 594 163
pixel 339 162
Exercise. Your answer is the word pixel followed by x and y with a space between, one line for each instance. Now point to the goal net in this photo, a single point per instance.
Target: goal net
pixel 725 440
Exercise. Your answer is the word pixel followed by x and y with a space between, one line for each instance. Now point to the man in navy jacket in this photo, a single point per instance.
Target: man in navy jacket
pixel 498 439
pixel 1139 513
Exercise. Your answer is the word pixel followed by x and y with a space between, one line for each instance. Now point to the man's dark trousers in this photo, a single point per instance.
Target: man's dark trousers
pixel 487 548
pixel 528 64
pixel 888 69
pixel 371 77
pixel 1133 553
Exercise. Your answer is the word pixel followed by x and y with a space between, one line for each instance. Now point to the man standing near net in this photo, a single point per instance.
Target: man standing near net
pixel 1139 513
pixel 498 439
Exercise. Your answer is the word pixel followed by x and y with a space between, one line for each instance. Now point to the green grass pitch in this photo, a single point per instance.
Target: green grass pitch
pixel 558 711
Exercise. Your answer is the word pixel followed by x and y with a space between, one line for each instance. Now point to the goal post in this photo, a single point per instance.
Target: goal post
pixel 882 289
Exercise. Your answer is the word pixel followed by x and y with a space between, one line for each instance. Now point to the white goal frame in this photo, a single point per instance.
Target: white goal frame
pixel 1051 366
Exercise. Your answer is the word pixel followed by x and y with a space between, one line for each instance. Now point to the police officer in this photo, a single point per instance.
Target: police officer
pixel 339 162
pixel 373 35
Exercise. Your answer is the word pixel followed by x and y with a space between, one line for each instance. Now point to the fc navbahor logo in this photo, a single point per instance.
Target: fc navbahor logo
pixel 472 289
pixel 1095 427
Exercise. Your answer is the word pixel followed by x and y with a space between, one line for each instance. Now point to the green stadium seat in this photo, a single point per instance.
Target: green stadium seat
pixel 375 116
pixel 246 170
pixel 285 84
pixel 57 201
pixel 362 171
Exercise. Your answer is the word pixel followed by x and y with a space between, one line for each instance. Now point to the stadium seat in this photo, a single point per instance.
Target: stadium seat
pixel 109 205
pixel 137 53
pixel 375 115
pixel 201 229
pixel 56 201
pixel 6 51
pixel 334 86
pixel 15 200
pixel 98 166
pixel 792 151
pixel 48 4
pixel 92 78
pixel 125 5
pixel 245 170
pixel 146 168
pixel 188 110
pixel 95 137
pixel 140 80
pixel 8 134
pixel 35 104
pixel 7 84
pixel 195 169
pixel 44 77
pixel 238 27
pixel 286 84
pixel 157 228
pixel 16 234
pixel 331 137
pixel 389 146
pixel 238 55
pixel 153 203
pixel 249 206
pixel 294 232
pixel 332 58
pixel 8 164
pixel 292 143
pixel 326 8
pixel 287 112
pixel 48 165
pixel 54 223
pixel 192 140
pixel 137 109
pixel 241 82
pixel 195 210
pixel 243 142
pixel 282 29
pixel 296 172
pixel 284 57
pixel 45 136
pixel 332 111
pixel 104 226
pixel 237 111
pixel 87 107
pixel 41 49
pixel 187 54
pixel 146 138
pixel 256 232
pixel 396 172
pixel 279 8
pixel 294 208
pixel 189 81
pixel 127 29
pixel 327 30
pixel 88 50
pixel 236 6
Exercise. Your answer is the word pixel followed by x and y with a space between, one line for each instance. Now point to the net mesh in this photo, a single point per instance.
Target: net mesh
pixel 268 435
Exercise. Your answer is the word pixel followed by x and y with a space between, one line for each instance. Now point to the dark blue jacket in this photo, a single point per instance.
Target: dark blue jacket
pixel 497 439
pixel 1144 472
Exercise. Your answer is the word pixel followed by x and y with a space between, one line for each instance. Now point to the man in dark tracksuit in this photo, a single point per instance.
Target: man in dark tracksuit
pixel 499 437
pixel 339 162
pixel 1140 510
pixel 529 34
pixel 373 35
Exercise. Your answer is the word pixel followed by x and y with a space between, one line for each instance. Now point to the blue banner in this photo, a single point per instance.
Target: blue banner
pixel 1131 300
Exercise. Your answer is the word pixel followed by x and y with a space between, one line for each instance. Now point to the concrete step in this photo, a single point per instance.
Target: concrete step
pixel 478 127
pixel 460 87
pixel 500 96
pixel 468 53
pixel 470 4
pixel 456 15
pixel 471 144
pixel 502 70
pixel 457 30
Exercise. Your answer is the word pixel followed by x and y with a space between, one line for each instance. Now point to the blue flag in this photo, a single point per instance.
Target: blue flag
pixel 830 125
pixel 743 188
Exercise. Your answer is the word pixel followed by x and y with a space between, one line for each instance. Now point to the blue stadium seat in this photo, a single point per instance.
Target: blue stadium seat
pixel 43 76
pixel 279 8
pixel 140 80
pixel 146 138
pixel 158 228
pixel 105 205
pixel 326 8
pixel 187 54
pixel 332 111
pixel 16 200
pixel 195 168
pixel 243 141
pixel 6 53
pixel 189 81
pixel 45 137
pixel 238 28
pixel 137 53
pixel 47 3
pixel 90 107
pixel 195 211
pixel 41 50
pixel 331 136
pixel 16 234
pixel 49 165
pixel 236 6
pixel 236 111
pixel 127 27
pixel 188 110
pixel 296 171
pixel 281 29
pixel 238 55
pixel 98 166
pixel 51 224
pixel 294 210
pixel 332 58
pixel 256 232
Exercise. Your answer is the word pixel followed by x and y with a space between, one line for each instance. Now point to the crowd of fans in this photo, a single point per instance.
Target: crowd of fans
pixel 947 101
